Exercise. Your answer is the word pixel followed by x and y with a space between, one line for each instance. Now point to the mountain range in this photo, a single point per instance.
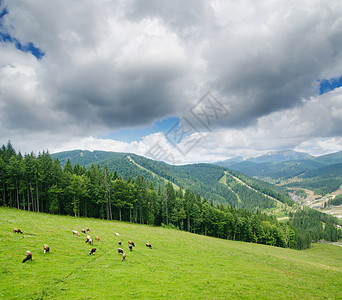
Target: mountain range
pixel 323 173
pixel 245 182
pixel 216 183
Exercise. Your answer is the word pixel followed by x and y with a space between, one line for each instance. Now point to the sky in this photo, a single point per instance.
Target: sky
pixel 180 81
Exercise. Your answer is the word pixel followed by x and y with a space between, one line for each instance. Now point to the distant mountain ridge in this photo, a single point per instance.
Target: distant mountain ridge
pixel 322 174
pixel 272 156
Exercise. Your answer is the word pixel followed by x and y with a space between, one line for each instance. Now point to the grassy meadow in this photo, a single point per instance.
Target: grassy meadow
pixel 180 265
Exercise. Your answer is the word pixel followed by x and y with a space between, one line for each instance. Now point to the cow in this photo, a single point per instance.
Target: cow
pixel 92 251
pixel 17 230
pixel 75 232
pixel 123 256
pixel 28 256
pixel 46 248
pixel 120 250
pixel 149 245
pixel 131 243
pixel 89 240
pixel 98 239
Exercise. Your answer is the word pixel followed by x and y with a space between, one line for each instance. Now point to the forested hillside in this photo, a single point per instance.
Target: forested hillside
pixel 200 178
pixel 40 184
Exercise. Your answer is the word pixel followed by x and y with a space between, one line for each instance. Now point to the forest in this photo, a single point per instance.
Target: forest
pixel 38 183
pixel 336 201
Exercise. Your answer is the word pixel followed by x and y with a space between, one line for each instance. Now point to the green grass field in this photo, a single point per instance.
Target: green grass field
pixel 180 265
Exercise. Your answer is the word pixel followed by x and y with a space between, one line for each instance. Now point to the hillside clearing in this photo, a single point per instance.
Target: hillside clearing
pixel 180 265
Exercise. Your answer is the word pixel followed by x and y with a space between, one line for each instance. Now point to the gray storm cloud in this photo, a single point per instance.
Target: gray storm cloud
pixel 119 64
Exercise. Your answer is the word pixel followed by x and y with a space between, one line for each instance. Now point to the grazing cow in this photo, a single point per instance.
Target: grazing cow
pixel 116 234
pixel 83 230
pixel 88 229
pixel 119 243
pixel 46 248
pixel 17 230
pixel 120 250
pixel 28 256
pixel 131 243
pixel 123 256
pixel 92 251
pixel 130 247
pixel 89 240
pixel 98 239
pixel 148 245
pixel 75 232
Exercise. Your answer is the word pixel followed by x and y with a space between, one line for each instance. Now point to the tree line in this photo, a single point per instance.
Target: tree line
pixel 38 183
pixel 336 201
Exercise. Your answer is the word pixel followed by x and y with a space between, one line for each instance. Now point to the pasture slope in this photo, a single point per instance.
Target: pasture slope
pixel 180 265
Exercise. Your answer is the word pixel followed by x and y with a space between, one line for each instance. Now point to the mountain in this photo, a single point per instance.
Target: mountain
pixel 213 182
pixel 323 174
pixel 278 156
pixel 85 157
pixel 329 159
pixel 272 156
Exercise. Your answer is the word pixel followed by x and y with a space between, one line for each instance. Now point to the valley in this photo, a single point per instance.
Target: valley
pixel 318 202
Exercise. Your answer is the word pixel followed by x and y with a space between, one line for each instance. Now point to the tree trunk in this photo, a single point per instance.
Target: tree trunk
pixel 4 191
pixel 16 187
pixel 33 206
pixel 75 205
pixel 28 198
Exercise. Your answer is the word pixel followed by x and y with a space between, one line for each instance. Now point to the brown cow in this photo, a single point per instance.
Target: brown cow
pixel 148 245
pixel 131 243
pixel 88 229
pixel 123 256
pixel 83 230
pixel 98 239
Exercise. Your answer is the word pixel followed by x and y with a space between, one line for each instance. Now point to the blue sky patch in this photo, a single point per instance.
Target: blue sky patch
pixel 29 47
pixel 7 38
pixel 327 85
pixel 135 134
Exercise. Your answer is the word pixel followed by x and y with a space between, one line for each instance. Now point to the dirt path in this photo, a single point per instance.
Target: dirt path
pixel 243 183
pixel 224 181
pixel 279 204
pixel 153 174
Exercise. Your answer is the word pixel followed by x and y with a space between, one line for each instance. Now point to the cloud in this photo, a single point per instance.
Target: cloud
pixel 126 64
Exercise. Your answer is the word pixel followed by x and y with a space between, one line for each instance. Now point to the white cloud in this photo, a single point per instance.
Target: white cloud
pixel 111 65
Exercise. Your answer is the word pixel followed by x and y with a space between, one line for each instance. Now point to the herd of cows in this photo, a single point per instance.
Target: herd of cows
pixel 88 240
